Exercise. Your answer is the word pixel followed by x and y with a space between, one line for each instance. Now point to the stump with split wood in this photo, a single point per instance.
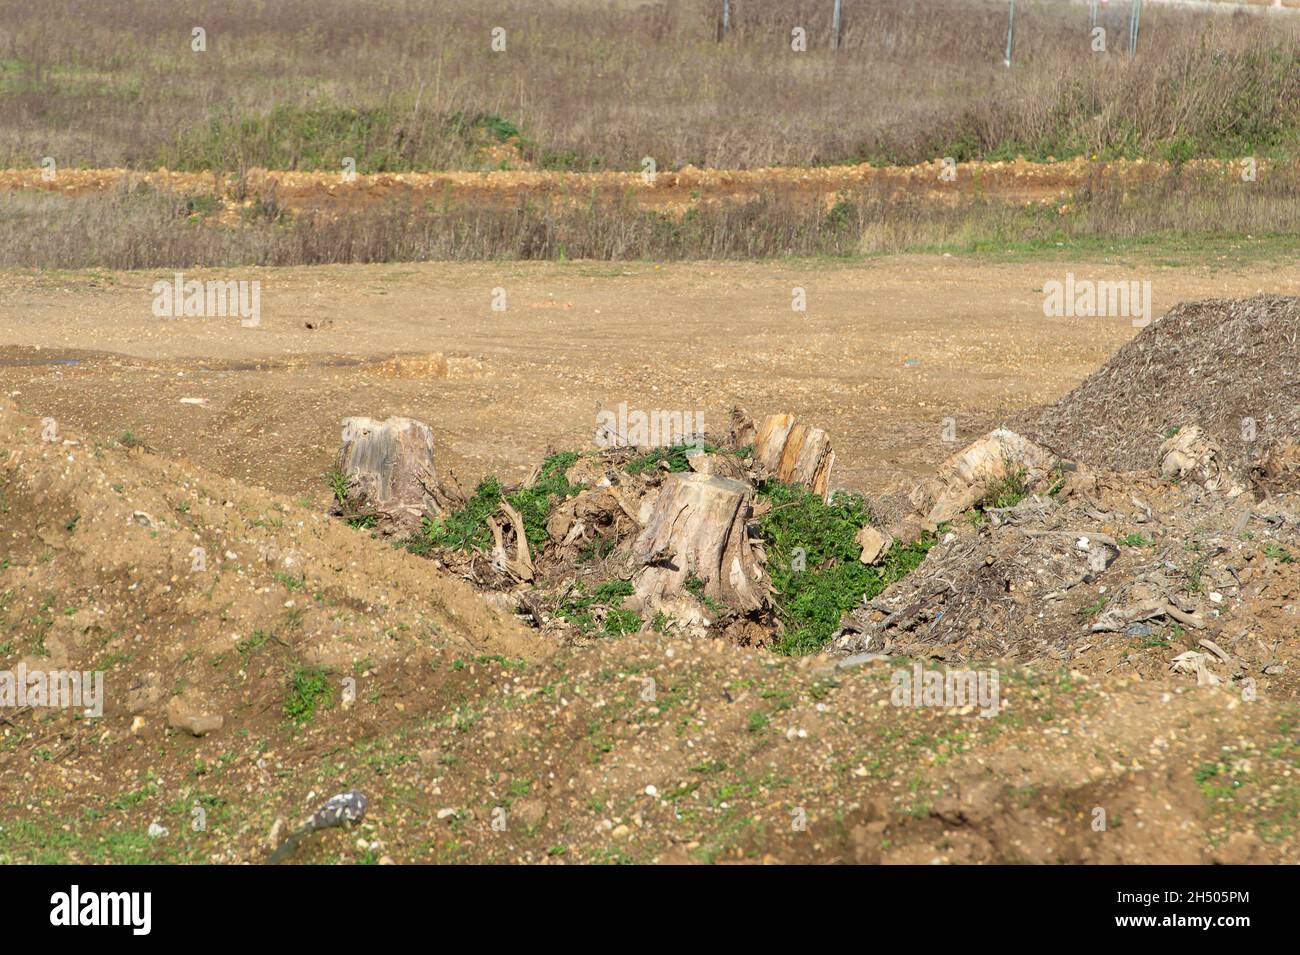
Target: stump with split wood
pixel 795 453
pixel 695 549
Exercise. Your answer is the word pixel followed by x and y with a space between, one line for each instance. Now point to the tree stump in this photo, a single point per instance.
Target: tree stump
pixel 795 453
pixel 695 550
pixel 741 430
pixel 961 482
pixel 389 470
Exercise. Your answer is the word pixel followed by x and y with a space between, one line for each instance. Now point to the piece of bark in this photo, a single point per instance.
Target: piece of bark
pixel 795 453
pixel 520 566
pixel 1117 619
pixel 390 471
pixel 697 529
pixel 874 543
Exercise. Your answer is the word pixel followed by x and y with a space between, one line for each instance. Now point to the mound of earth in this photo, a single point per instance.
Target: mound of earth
pixel 1175 559
pixel 1130 576
pixel 1230 367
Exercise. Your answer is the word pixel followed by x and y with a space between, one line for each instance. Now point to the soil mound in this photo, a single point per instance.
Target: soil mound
pixel 1228 366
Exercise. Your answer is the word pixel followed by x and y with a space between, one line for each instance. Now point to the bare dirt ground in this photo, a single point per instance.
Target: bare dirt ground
pixel 507 180
pixel 886 350
pixel 460 712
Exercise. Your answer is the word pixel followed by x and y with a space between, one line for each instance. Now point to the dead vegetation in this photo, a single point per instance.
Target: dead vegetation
pixel 399 88
pixel 138 225
pixel 1162 544
pixel 1228 368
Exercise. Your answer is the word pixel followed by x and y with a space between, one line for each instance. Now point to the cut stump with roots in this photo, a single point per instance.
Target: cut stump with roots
pixel 695 550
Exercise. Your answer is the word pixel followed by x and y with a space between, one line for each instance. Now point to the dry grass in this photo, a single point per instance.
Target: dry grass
pixel 138 227
pixel 304 83
pixel 592 85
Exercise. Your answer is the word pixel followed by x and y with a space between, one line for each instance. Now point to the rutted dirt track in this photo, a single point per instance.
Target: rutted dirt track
pixel 667 191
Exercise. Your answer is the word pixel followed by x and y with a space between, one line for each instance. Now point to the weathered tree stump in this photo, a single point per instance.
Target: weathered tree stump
pixel 740 430
pixel 695 550
pixel 960 482
pixel 389 470
pixel 794 453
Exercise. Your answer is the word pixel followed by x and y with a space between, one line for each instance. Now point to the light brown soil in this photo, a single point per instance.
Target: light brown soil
pixel 474 742
pixel 669 190
pixel 885 352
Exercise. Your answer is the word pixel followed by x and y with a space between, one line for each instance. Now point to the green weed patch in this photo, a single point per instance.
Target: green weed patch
pixel 813 562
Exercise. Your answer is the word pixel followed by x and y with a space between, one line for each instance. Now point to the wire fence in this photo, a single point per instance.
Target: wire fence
pixel 1098 11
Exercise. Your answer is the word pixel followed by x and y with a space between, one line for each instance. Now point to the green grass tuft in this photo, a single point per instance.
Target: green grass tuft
pixel 467 528
pixel 1007 491
pixel 309 689
pixel 577 609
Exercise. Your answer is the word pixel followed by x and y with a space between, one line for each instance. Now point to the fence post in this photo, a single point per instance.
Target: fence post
pixel 835 26
pixel 1011 33
pixel 1135 27
pixel 1092 15
pixel 726 18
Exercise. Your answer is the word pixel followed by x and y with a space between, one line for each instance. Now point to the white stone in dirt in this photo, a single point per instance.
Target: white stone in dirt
pixel 275 837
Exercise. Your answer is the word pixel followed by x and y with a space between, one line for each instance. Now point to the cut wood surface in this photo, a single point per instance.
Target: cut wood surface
pixel 697 530
pixel 794 452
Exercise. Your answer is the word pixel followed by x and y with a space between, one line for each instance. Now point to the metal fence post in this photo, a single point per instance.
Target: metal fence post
pixel 1011 32
pixel 835 26
pixel 726 17
pixel 1135 27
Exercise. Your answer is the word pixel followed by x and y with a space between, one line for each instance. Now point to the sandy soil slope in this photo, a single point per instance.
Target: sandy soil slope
pixel 667 191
